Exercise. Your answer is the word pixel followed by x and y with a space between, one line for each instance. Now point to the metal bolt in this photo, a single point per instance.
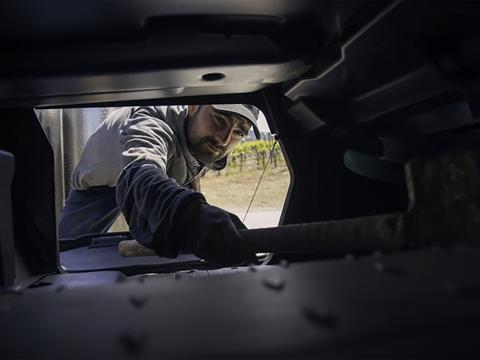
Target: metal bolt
pixel 274 283
pixel 138 300
pixel 324 319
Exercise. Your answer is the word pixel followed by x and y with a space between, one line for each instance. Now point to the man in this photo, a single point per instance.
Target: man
pixel 139 162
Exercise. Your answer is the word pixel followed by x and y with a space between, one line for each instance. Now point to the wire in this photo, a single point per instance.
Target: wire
pixel 268 256
pixel 261 177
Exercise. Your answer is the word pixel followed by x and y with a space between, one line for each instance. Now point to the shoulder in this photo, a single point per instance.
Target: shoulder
pixel 146 131
pixel 164 113
pixel 148 119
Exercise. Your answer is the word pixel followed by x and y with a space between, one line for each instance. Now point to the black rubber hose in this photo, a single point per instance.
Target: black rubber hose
pixel 383 233
pixel 371 233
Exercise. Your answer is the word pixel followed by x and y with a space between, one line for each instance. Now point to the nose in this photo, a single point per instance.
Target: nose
pixel 225 136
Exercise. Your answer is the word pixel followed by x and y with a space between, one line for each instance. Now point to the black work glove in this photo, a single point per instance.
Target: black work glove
pixel 212 234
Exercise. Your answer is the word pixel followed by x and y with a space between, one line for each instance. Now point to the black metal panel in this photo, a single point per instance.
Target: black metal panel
pixel 421 304
pixel 413 52
pixel 32 190
pixel 95 52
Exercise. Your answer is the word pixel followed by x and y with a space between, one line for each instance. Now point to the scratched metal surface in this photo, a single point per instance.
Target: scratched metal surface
pixel 413 304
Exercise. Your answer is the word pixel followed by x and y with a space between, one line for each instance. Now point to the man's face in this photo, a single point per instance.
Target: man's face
pixel 212 134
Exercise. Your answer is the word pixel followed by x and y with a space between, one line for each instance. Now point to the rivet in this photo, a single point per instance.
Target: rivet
pixel 274 283
pixel 325 319
pixel 379 266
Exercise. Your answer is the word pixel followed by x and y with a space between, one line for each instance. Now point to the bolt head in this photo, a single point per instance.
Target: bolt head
pixel 274 283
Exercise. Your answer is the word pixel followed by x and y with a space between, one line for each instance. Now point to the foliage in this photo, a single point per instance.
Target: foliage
pixel 250 155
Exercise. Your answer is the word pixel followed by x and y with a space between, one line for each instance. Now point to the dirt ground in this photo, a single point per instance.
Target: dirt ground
pixel 234 191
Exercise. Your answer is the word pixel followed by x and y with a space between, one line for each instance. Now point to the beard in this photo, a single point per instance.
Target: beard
pixel 207 151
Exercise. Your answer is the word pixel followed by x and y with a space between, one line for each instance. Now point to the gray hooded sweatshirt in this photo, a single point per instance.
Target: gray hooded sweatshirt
pixel 143 152
pixel 154 134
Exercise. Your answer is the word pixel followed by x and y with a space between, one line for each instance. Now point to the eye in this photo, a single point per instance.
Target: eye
pixel 239 133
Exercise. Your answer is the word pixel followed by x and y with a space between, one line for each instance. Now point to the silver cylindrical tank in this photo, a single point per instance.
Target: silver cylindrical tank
pixel 68 130
pixel 78 125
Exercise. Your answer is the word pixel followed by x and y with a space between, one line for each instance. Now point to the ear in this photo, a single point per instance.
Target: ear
pixel 192 109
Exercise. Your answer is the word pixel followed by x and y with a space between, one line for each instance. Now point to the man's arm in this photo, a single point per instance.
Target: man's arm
pixel 169 218
pixel 150 202
pixel 163 215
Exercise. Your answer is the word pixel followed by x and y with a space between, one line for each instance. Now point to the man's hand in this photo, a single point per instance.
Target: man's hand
pixel 212 234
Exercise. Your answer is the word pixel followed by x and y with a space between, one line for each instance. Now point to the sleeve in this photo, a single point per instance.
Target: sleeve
pixel 145 138
pixel 147 197
pixel 151 203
